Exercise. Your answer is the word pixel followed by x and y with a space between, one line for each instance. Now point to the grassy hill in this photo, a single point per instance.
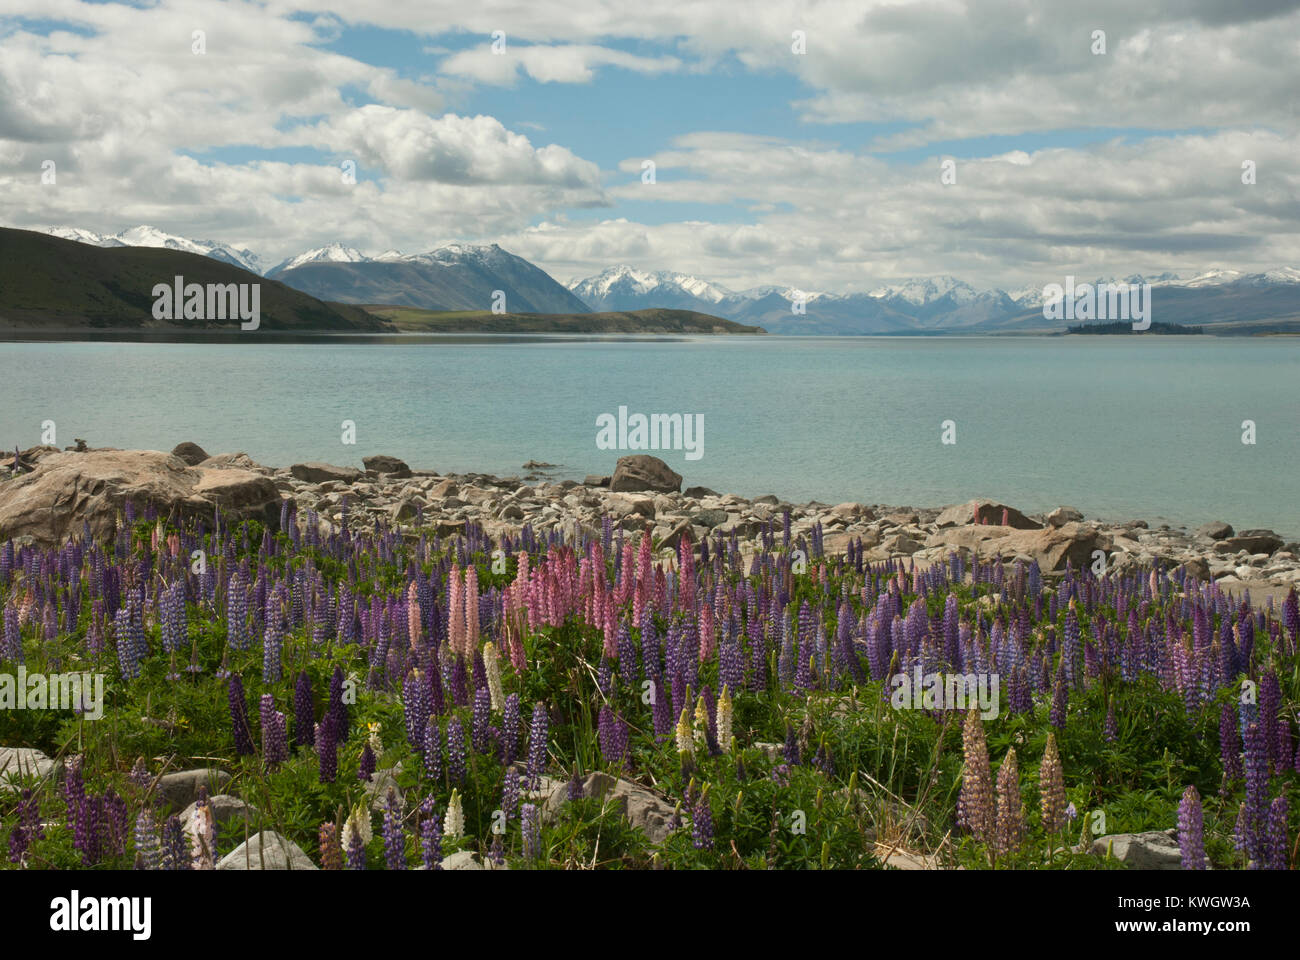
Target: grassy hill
pixel 47 283
pixel 411 319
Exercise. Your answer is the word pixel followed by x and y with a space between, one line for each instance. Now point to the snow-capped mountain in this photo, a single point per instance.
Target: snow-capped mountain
pixel 923 290
pixel 453 276
pixel 330 253
pixel 621 284
pixel 147 236
pixel 938 304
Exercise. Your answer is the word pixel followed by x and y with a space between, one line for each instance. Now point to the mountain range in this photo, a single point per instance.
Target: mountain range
pixel 468 276
pixel 52 284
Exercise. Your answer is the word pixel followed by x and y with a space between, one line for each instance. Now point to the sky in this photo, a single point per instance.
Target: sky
pixel 827 146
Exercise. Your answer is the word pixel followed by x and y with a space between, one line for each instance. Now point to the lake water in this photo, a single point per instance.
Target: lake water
pixel 1121 427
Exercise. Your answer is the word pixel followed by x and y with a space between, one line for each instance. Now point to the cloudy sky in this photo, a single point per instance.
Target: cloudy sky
pixel 820 169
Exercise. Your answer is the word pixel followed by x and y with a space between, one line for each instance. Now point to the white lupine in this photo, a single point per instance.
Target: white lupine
pixel 724 720
pixel 453 824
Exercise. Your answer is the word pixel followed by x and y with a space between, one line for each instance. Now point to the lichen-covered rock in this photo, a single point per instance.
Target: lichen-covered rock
pixel 267 851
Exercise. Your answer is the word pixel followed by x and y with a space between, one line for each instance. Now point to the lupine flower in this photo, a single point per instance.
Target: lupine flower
pixel 275 733
pixel 366 768
pixel 148 849
pixel 531 829
pixel 1010 810
pixel 702 822
pixel 1277 852
pixel 394 837
pixel 724 709
pixel 327 751
pixel 492 666
pixel 510 729
pixel 1051 783
pixel 331 854
pixel 975 809
pixel 203 833
pixel 455 751
pixel 304 713
pixel 537 737
pixel 685 735
pixel 431 843
pixel 1191 830
pixel 175 849
pixel 239 716
pixel 453 823
pixel 1229 743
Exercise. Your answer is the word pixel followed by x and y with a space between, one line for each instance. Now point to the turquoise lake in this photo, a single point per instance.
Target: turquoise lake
pixel 1120 427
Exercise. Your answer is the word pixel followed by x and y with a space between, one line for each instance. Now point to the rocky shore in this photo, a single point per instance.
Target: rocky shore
pixel 47 494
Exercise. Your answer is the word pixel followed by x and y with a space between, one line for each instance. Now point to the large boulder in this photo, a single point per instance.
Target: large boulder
pixel 382 463
pixel 321 472
pixel 642 472
pixel 191 453
pixel 1050 546
pixel 644 809
pixel 19 762
pixel 1215 530
pixel 66 489
pixel 180 789
pixel 267 851
pixel 985 511
pixel 1255 541
pixel 1156 850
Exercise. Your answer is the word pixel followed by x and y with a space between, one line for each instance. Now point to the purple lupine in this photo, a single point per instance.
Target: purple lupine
pixel 239 716
pixel 479 719
pixel 148 849
pixel 173 623
pixel 175 846
pixel 1276 855
pixel 510 729
pixel 394 836
pixel 510 794
pixel 537 736
pixel 1060 702
pixel 127 650
pixel 273 636
pixel 1229 744
pixel 304 712
pixel 1191 830
pixel 456 751
pixel 275 734
pixel 12 648
pixel 431 843
pixel 327 749
pixel 702 822
pixel 432 750
pixel 366 768
pixel 415 708
pixel 531 830
pixel 1251 837
pixel 356 852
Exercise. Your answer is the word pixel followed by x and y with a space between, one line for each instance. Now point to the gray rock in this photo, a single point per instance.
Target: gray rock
pixel 267 851
pixel 643 472
pixel 466 860
pixel 25 762
pixel 178 790
pixel 709 518
pixel 644 810
pixel 407 508
pixel 191 453
pixel 390 466
pixel 1156 850
pixel 320 472
pixel 1217 530
pixel 592 480
pixel 444 489
pixel 224 808
pixel 767 498
pixel 1063 515
pixel 698 493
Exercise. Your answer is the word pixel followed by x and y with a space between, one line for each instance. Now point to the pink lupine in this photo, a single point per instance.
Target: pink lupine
pixel 413 614
pixel 471 610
